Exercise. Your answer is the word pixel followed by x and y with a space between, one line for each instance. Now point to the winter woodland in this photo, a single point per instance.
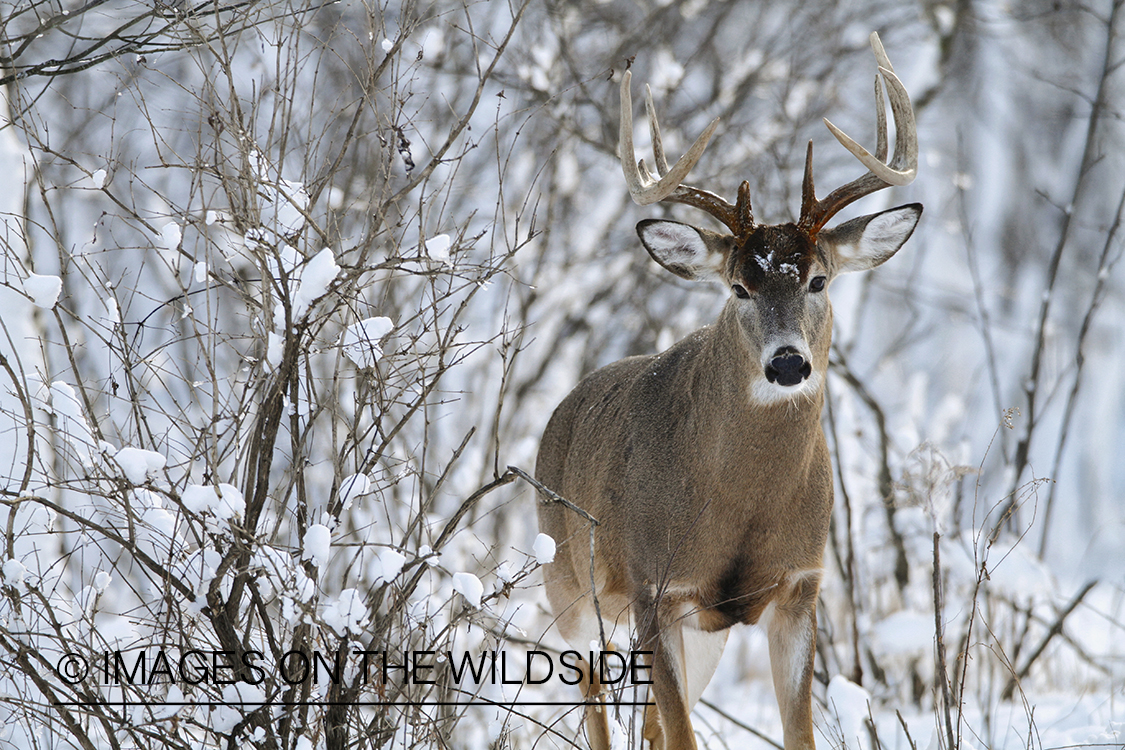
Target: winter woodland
pixel 290 289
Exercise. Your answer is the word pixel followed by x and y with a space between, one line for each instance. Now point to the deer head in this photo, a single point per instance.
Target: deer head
pixel 778 275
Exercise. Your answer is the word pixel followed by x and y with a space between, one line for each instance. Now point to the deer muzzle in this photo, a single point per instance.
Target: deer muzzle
pixel 787 367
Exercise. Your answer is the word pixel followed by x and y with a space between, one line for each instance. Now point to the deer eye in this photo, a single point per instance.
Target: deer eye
pixel 817 284
pixel 740 291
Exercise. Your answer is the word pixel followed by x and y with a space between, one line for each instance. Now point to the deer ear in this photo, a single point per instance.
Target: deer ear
pixel 689 252
pixel 868 241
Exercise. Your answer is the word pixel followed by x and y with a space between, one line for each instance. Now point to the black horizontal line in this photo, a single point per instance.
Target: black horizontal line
pixel 481 702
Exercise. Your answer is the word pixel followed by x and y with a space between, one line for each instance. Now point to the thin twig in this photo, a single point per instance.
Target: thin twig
pixel 741 725
pixel 941 674
pixel 550 496
pixel 1055 629
pixel 839 365
pixel 906 730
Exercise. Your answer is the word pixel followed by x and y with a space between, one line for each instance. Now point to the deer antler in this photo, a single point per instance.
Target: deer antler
pixel 902 168
pixel 646 188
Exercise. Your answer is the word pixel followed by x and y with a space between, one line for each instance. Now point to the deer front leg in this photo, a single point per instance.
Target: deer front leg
pixel 667 725
pixel 792 637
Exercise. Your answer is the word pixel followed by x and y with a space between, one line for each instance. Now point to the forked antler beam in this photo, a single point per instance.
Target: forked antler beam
pixel 668 185
pixel 901 169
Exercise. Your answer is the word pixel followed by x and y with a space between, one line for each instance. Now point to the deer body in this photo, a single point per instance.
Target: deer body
pixel 706 466
pixel 711 471
pixel 759 488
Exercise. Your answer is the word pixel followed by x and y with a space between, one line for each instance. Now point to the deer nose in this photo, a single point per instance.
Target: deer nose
pixel 787 367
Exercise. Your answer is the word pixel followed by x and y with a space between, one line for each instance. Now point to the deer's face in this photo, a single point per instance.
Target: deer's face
pixel 778 281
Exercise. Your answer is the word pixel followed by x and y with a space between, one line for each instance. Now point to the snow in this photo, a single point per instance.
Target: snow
pixel 905 632
pixel 224 501
pixel 14 572
pixel 304 588
pixel 307 282
pixel 139 464
pixel 360 341
pixel 112 311
pixel 1014 570
pixel 386 566
pixel 231 711
pixel 199 569
pixel 315 279
pixel 171 235
pixel 470 587
pixel 437 247
pixel 544 549
pixel 346 612
pixel 316 544
pixel 43 290
pixel 283 206
pixel 231 504
pixel 275 349
pixel 158 522
pixel 619 734
pixel 848 706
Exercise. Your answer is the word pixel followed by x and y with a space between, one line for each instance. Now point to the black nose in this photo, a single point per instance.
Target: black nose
pixel 787 367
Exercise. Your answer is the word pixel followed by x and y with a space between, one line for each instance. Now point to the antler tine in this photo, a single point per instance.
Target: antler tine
pixel 643 186
pixel 647 188
pixel 900 170
pixel 654 131
pixel 903 168
pixel 880 122
pixel 882 61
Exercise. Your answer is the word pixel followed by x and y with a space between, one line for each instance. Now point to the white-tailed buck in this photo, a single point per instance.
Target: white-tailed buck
pixel 706 465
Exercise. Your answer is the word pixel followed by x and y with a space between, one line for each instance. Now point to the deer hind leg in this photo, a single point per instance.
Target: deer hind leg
pixel 791 629
pixel 580 627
